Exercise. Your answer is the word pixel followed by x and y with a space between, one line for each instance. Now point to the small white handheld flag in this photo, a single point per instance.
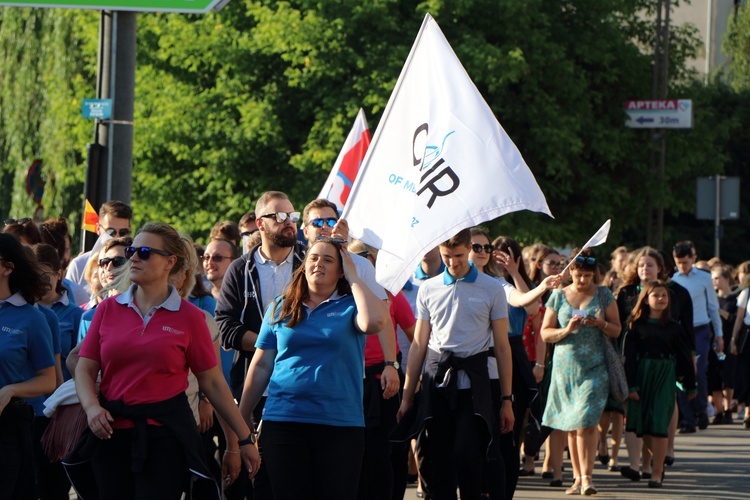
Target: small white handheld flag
pixel 599 237
pixel 439 162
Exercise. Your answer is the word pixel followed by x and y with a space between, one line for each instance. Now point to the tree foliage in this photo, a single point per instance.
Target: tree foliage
pixel 261 96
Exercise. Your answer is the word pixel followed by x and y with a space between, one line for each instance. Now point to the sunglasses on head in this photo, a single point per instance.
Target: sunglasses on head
pixel 116 261
pixel 116 232
pixel 329 221
pixel 23 221
pixel 477 248
pixel 216 258
pixel 144 253
pixel 281 217
pixel 586 260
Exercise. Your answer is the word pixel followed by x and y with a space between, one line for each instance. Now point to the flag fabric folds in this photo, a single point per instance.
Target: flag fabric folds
pixel 339 183
pixel 439 162
pixel 90 218
pixel 599 237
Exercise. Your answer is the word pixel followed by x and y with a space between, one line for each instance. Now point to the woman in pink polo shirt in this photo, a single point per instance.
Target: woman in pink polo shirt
pixel 143 439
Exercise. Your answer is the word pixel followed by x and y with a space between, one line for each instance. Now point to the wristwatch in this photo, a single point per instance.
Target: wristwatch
pixel 251 439
pixel 509 397
pixel 394 364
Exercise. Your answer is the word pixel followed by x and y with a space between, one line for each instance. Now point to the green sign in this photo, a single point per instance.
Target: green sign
pixel 187 6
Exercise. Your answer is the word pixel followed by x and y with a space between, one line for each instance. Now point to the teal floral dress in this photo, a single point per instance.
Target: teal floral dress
pixel 579 383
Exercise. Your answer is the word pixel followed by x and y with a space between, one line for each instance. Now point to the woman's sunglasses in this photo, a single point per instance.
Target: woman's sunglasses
pixel 9 222
pixel 477 248
pixel 586 260
pixel 144 253
pixel 116 261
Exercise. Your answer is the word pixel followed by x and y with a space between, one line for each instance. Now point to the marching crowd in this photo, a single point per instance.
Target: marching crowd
pixel 270 364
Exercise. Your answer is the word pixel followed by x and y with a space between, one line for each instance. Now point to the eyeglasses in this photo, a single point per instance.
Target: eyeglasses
pixel 248 233
pixel 116 232
pixel 144 253
pixel 477 248
pixel 553 264
pixel 329 221
pixel 329 239
pixel 683 250
pixel 23 221
pixel 586 260
pixel 216 258
pixel 281 217
pixel 116 261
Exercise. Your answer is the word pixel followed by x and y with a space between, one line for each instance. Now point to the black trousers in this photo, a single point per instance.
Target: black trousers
pixel 312 461
pixel 16 458
pixel 51 481
pixel 458 447
pixel 165 472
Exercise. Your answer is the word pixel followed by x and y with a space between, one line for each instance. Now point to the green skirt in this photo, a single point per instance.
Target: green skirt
pixel 651 414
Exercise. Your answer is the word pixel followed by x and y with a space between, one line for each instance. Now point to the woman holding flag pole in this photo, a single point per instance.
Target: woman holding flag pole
pixel 579 319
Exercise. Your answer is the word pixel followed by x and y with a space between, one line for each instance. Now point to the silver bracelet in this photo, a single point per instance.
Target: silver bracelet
pixel 232 452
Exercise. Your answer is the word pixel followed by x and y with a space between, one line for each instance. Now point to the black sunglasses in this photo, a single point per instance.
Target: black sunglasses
pixel 586 260
pixel 328 221
pixel 216 258
pixel 281 217
pixel 248 233
pixel 477 248
pixel 115 233
pixel 23 221
pixel 144 253
pixel 116 261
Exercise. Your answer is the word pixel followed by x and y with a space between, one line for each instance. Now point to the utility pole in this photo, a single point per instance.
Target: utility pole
pixel 110 156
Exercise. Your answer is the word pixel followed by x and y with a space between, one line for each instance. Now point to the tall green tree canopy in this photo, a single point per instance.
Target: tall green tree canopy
pixel 261 96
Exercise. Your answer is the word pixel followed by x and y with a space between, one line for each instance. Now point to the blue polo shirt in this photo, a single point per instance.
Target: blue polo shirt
pixel 319 366
pixel 25 341
pixel 69 319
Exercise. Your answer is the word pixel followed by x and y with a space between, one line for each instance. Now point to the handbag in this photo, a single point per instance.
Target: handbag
pixel 618 383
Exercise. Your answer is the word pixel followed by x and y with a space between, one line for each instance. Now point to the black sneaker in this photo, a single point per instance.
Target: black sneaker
pixel 718 419
pixel 728 417
pixel 630 473
pixel 687 429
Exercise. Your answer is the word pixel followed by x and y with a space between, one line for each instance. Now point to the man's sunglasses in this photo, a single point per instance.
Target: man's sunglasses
pixel 586 260
pixel 281 217
pixel 329 221
pixel 116 261
pixel 23 221
pixel 216 258
pixel 144 253
pixel 115 232
pixel 477 248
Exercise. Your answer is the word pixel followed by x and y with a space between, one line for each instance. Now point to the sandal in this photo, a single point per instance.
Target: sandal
pixel 576 488
pixel 588 487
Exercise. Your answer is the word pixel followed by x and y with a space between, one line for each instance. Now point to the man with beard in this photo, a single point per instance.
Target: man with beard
pixel 250 285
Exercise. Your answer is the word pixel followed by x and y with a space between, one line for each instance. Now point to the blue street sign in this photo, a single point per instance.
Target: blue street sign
pixel 97 108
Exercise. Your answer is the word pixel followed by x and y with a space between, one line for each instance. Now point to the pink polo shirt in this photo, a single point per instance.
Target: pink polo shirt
pixel 146 359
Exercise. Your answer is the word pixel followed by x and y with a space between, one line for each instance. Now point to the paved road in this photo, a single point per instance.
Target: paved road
pixel 711 464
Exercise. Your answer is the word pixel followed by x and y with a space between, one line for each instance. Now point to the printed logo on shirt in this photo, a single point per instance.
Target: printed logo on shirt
pixel 250 294
pixel 172 330
pixel 331 314
pixel 13 331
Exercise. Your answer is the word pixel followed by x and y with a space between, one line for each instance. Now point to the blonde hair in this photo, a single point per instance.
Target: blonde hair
pixel 360 247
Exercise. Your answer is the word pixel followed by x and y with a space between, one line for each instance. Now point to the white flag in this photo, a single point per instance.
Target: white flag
pixel 344 172
pixel 439 162
pixel 599 237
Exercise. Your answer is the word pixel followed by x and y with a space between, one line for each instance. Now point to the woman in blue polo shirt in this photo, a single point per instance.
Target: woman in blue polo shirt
pixel 311 349
pixel 25 347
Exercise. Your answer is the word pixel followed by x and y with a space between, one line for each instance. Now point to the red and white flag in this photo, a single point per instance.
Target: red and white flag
pixel 344 172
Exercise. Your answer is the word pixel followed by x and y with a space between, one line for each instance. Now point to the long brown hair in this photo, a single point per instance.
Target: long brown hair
pixel 293 300
pixel 642 310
